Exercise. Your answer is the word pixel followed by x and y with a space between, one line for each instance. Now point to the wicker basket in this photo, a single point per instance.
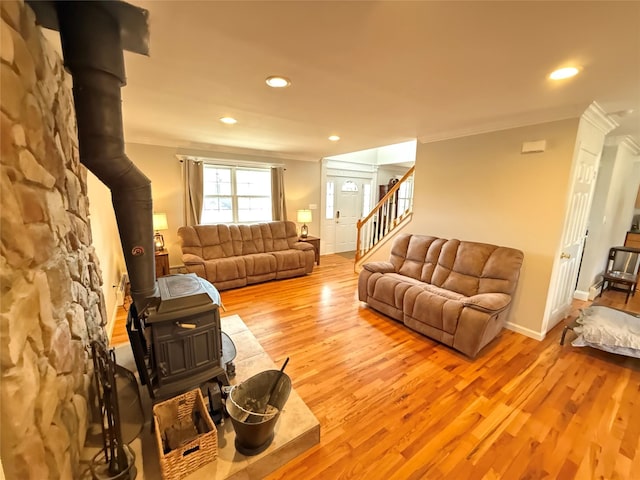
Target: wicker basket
pixel 190 456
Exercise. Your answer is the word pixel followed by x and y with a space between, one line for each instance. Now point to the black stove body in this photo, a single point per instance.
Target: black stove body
pixel 177 345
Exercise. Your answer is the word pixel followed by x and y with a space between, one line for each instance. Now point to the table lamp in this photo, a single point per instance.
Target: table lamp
pixel 159 223
pixel 304 217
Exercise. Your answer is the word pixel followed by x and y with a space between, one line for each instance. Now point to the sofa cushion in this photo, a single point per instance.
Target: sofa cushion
pixel 289 260
pixel 488 302
pixel 470 268
pixel 278 236
pixel 434 306
pixel 501 271
pixel 215 240
pixel 249 239
pixel 259 263
pixel 467 267
pixel 379 267
pixel 422 258
pixel 389 288
pixel 416 256
pixel 260 267
pixel 225 269
pixel 190 242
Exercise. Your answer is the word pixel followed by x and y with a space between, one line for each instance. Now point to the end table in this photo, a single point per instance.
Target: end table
pixel 315 241
pixel 162 263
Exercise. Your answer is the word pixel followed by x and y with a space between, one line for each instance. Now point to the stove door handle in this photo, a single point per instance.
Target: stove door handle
pixel 190 326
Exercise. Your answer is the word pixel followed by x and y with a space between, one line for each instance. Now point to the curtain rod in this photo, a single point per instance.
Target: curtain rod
pixel 229 161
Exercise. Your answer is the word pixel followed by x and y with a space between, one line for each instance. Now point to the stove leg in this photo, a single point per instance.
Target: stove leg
pixel 231 369
pixel 216 405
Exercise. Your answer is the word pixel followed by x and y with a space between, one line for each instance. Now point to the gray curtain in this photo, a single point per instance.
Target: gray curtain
pixel 193 191
pixel 279 206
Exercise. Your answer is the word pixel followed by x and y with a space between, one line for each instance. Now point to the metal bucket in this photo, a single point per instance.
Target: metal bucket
pixel 254 407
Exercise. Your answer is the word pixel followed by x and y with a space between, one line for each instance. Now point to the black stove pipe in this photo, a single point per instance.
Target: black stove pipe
pixel 91 44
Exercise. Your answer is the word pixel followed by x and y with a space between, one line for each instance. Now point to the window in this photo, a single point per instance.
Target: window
pixel 330 201
pixel 349 186
pixel 236 194
pixel 405 196
pixel 366 199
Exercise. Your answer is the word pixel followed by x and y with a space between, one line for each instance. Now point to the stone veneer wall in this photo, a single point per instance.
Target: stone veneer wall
pixel 52 304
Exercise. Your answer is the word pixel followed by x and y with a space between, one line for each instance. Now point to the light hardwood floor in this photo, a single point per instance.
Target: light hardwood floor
pixel 396 405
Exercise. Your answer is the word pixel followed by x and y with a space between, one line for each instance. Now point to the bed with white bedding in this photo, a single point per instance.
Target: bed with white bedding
pixel 608 329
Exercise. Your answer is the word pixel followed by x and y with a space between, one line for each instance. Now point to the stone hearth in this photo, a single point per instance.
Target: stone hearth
pixel 297 429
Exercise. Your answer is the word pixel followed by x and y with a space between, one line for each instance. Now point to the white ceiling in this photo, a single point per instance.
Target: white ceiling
pixel 375 73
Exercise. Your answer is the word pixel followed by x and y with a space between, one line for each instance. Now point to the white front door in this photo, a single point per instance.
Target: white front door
pixel 348 207
pixel 344 201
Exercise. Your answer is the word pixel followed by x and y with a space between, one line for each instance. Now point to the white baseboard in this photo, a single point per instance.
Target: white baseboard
pixel 525 331
pixel 112 322
pixel 581 295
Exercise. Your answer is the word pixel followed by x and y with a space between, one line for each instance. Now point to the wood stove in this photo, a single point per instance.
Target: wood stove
pixel 173 324
pixel 177 344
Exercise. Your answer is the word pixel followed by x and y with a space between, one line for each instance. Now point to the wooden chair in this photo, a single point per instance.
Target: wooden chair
pixel 621 271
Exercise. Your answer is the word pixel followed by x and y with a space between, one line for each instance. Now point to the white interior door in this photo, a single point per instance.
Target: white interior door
pixel 567 269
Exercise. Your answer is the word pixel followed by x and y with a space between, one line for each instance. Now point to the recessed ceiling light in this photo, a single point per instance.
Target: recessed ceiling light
pixel 562 73
pixel 276 81
pixel 334 138
pixel 228 120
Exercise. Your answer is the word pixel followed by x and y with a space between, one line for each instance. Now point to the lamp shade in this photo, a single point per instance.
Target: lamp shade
pixel 304 216
pixel 160 221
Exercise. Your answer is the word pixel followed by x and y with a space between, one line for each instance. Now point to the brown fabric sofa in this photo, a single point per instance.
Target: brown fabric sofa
pixel 231 256
pixel 455 292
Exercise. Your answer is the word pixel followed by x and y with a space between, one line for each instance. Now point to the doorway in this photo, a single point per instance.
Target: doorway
pixel 346 195
pixel 569 261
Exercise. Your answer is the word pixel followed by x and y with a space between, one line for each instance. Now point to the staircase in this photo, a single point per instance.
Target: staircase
pixel 389 213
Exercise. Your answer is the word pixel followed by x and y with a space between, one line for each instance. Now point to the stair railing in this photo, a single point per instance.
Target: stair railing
pixel 388 213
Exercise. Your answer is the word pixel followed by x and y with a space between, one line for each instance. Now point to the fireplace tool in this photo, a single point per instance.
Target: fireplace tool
pixel 116 460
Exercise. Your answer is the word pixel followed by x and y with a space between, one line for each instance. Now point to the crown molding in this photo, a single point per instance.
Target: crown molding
pixel 218 151
pixel 491 128
pixel 596 116
pixel 631 144
pixel 626 141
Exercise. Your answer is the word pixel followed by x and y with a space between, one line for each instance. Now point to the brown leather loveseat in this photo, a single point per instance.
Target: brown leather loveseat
pixel 455 292
pixel 231 256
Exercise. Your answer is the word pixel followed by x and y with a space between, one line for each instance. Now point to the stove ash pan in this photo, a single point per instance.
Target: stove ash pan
pixel 179 344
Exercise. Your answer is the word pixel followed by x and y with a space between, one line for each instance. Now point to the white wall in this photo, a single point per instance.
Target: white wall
pixel 404 152
pixel 387 172
pixel 302 191
pixel 621 202
pixel 106 240
pixel 398 153
pixel 481 188
pixel 612 209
